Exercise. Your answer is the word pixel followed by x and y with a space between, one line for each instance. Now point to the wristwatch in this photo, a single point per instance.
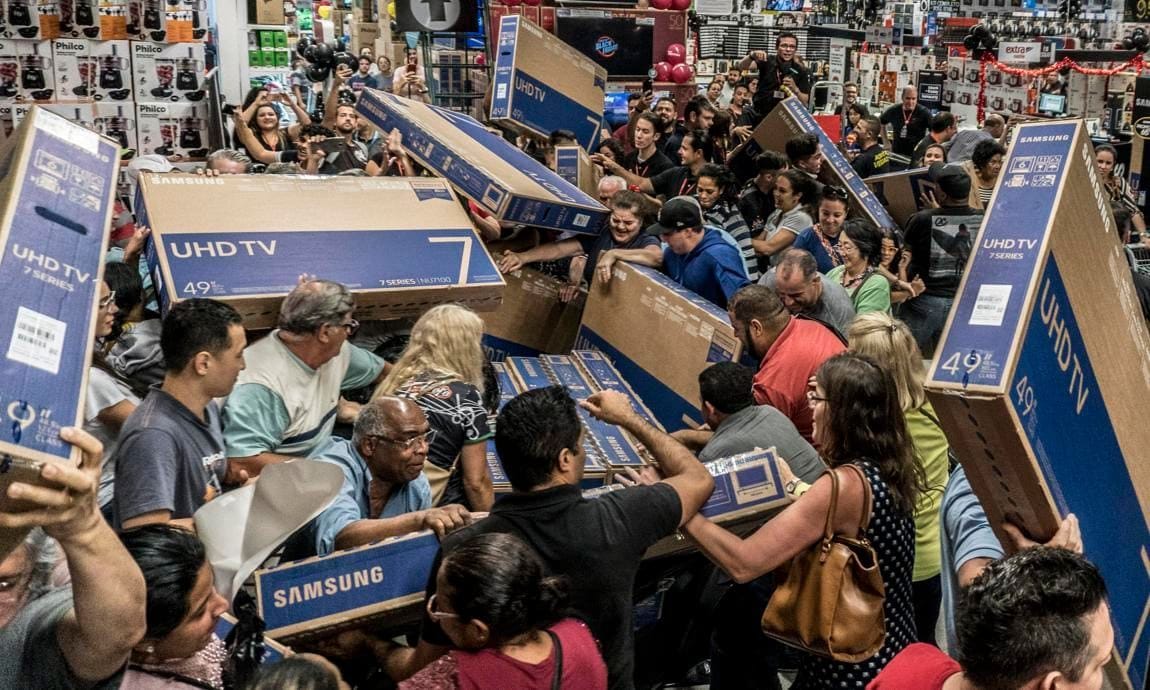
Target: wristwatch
pixel 792 485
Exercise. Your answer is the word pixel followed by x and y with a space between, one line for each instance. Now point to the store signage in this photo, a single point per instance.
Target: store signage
pixel 1019 52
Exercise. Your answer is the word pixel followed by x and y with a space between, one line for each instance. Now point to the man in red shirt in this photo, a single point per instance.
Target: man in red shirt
pixel 1036 620
pixel 789 350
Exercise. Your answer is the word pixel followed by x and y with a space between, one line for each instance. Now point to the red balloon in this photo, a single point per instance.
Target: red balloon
pixel 682 73
pixel 512 3
pixel 532 3
pixel 680 4
pixel 481 60
pixel 661 4
pixel 676 53
pixel 663 71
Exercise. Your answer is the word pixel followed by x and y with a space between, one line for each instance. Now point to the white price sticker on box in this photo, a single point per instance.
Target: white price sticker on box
pixel 37 340
pixel 990 306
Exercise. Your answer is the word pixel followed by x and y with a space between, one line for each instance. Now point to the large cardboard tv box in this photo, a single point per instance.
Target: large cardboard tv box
pixel 902 192
pixel 482 166
pixel 401 245
pixel 532 320
pixel 1043 372
pixel 541 84
pixel 660 336
pixel 56 199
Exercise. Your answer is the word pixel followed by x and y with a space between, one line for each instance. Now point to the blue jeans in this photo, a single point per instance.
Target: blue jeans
pixel 925 316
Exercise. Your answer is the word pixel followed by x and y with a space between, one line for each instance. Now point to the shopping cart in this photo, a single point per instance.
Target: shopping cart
pixel 1139 257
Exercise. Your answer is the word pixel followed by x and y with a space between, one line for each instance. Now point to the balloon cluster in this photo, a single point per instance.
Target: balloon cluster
pixel 674 67
pixel 324 57
pixel 980 38
pixel 678 5
pixel 1137 40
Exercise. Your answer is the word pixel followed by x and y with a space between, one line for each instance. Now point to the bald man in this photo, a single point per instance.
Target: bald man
pixel 384 493
pixel 908 120
pixel 609 186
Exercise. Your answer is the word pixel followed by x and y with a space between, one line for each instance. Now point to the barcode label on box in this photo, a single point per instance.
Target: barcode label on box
pixel 990 306
pixel 37 340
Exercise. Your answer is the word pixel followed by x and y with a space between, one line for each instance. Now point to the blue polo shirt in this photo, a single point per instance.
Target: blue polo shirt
pixel 713 270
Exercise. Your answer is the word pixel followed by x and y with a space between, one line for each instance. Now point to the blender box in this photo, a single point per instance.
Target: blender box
pixel 9 71
pixel 173 72
pixel 401 245
pixel 113 20
pixel 55 210
pixel 112 120
pixel 111 71
pixel 80 19
pixel 147 20
pixel 30 20
pixel 72 70
pixel 541 84
pixel 35 82
pixel 172 129
pixel 1042 374
pixel 481 165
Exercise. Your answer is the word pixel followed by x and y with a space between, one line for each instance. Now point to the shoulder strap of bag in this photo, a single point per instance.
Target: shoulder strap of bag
pixel 868 498
pixel 829 527
pixel 557 680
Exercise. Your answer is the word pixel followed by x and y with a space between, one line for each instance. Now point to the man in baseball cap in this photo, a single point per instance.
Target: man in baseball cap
pixel 698 258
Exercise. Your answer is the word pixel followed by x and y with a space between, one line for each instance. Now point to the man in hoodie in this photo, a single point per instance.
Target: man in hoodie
pixel 698 258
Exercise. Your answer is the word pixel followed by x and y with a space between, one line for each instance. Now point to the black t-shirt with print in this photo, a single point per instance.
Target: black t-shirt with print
pixel 651 167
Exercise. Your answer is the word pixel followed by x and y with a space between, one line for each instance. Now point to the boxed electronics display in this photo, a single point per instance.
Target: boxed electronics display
pixel 541 84
pixel 401 245
pixel 30 19
pixel 574 165
pixel 173 129
pixel 379 583
pixel 482 166
pixel 168 72
pixel 55 210
pixel 81 19
pixel 507 390
pixel 1041 375
pixel 34 80
pixel 108 119
pixel 532 318
pixel 91 70
pixel 660 336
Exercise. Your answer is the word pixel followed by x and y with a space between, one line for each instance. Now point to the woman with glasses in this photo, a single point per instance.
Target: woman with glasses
pixel 861 248
pixel 505 621
pixel 442 370
pixel 822 238
pixel 794 193
pixel 860 429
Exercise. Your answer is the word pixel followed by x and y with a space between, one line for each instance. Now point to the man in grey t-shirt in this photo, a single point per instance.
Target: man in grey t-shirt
pixel 803 291
pixel 739 425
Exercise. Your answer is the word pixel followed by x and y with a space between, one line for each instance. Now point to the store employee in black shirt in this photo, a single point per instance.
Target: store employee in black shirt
pixel 909 122
pixel 646 160
pixel 781 75
pixel 873 158
pixel 696 150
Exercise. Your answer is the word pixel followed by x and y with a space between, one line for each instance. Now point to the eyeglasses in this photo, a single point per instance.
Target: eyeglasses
pixel 836 192
pixel 813 397
pixel 434 613
pixel 105 301
pixel 351 326
pixel 427 437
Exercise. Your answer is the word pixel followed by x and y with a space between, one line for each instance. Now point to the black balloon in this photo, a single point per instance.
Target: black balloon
pixel 315 73
pixel 344 58
pixel 970 42
pixel 990 43
pixel 301 46
pixel 1127 43
pixel 980 31
pixel 323 55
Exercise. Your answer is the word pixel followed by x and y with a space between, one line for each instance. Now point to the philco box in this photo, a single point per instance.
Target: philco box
pixel 660 336
pixel 902 192
pixel 790 118
pixel 532 319
pixel 9 70
pixel 71 70
pixel 35 81
pixel 482 166
pixel 111 78
pixel 54 217
pixel 401 245
pixel 173 129
pixel 31 19
pixel 113 21
pixel 379 583
pixel 80 19
pixel 1042 374
pixel 6 123
pixel 147 20
pixel 172 72
pixel 574 165
pixel 541 84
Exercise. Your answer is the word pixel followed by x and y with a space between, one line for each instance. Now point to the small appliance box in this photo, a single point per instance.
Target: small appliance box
pixel 168 72
pixel 111 77
pixel 401 245
pixel 790 118
pixel 147 20
pixel 484 167
pixel 173 129
pixel 1042 374
pixel 9 70
pixel 36 20
pixel 81 19
pixel 660 336
pixel 55 208
pixel 108 119
pixel 541 84
pixel 574 165
pixel 35 82
pixel 532 319
pixel 378 584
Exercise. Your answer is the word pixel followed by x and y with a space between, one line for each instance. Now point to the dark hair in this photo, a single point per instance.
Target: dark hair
pixel 757 303
pixel 1024 616
pixel 315 130
pixel 126 282
pixel 785 34
pixel 170 559
pixel 695 106
pixel 195 325
pixel 491 389
pixel 253 121
pixel 941 122
pixel 701 141
pixel 770 161
pixel 634 96
pixel 984 151
pixel 1107 148
pixel 866 237
pixel 653 119
pixel 667 99
pixel 723 177
pixel 802 146
pixel 837 194
pixel 744 82
pixel 872 125
pixel 614 146
pixel 562 137
pixel 862 110
pixel 530 433
pixel 940 147
pixel 894 236
pixel 726 386
pixel 865 422
pixel 801 184
pixel 638 204
pixel 498 579
pixel 294 673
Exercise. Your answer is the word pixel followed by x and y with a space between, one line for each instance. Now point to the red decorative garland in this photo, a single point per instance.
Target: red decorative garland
pixel 1137 63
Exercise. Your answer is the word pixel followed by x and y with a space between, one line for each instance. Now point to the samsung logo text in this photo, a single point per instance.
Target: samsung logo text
pixel 328 586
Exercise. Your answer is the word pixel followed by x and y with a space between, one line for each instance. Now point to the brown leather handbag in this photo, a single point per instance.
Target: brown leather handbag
pixel 831 602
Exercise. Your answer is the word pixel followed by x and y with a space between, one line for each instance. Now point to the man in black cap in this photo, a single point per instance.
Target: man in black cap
pixel 940 241
pixel 698 258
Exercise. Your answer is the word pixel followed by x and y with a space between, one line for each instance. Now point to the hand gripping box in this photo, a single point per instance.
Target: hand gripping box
pixel 56 198
pixel 1043 373
pixel 484 167
pixel 660 336
pixel 401 245
pixel 541 84
pixel 380 584
pixel 532 319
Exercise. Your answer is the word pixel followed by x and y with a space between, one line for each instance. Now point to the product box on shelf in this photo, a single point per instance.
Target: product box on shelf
pixel 484 167
pixel 113 21
pixel 36 20
pixel 35 82
pixel 170 129
pixel 147 20
pixel 72 70
pixel 233 250
pixel 80 19
pixel 541 84
pixel 532 318
pixel 111 75
pixel 173 72
pixel 1041 374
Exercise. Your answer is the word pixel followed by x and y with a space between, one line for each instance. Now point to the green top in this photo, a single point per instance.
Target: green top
pixel 872 295
pixel 930 446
